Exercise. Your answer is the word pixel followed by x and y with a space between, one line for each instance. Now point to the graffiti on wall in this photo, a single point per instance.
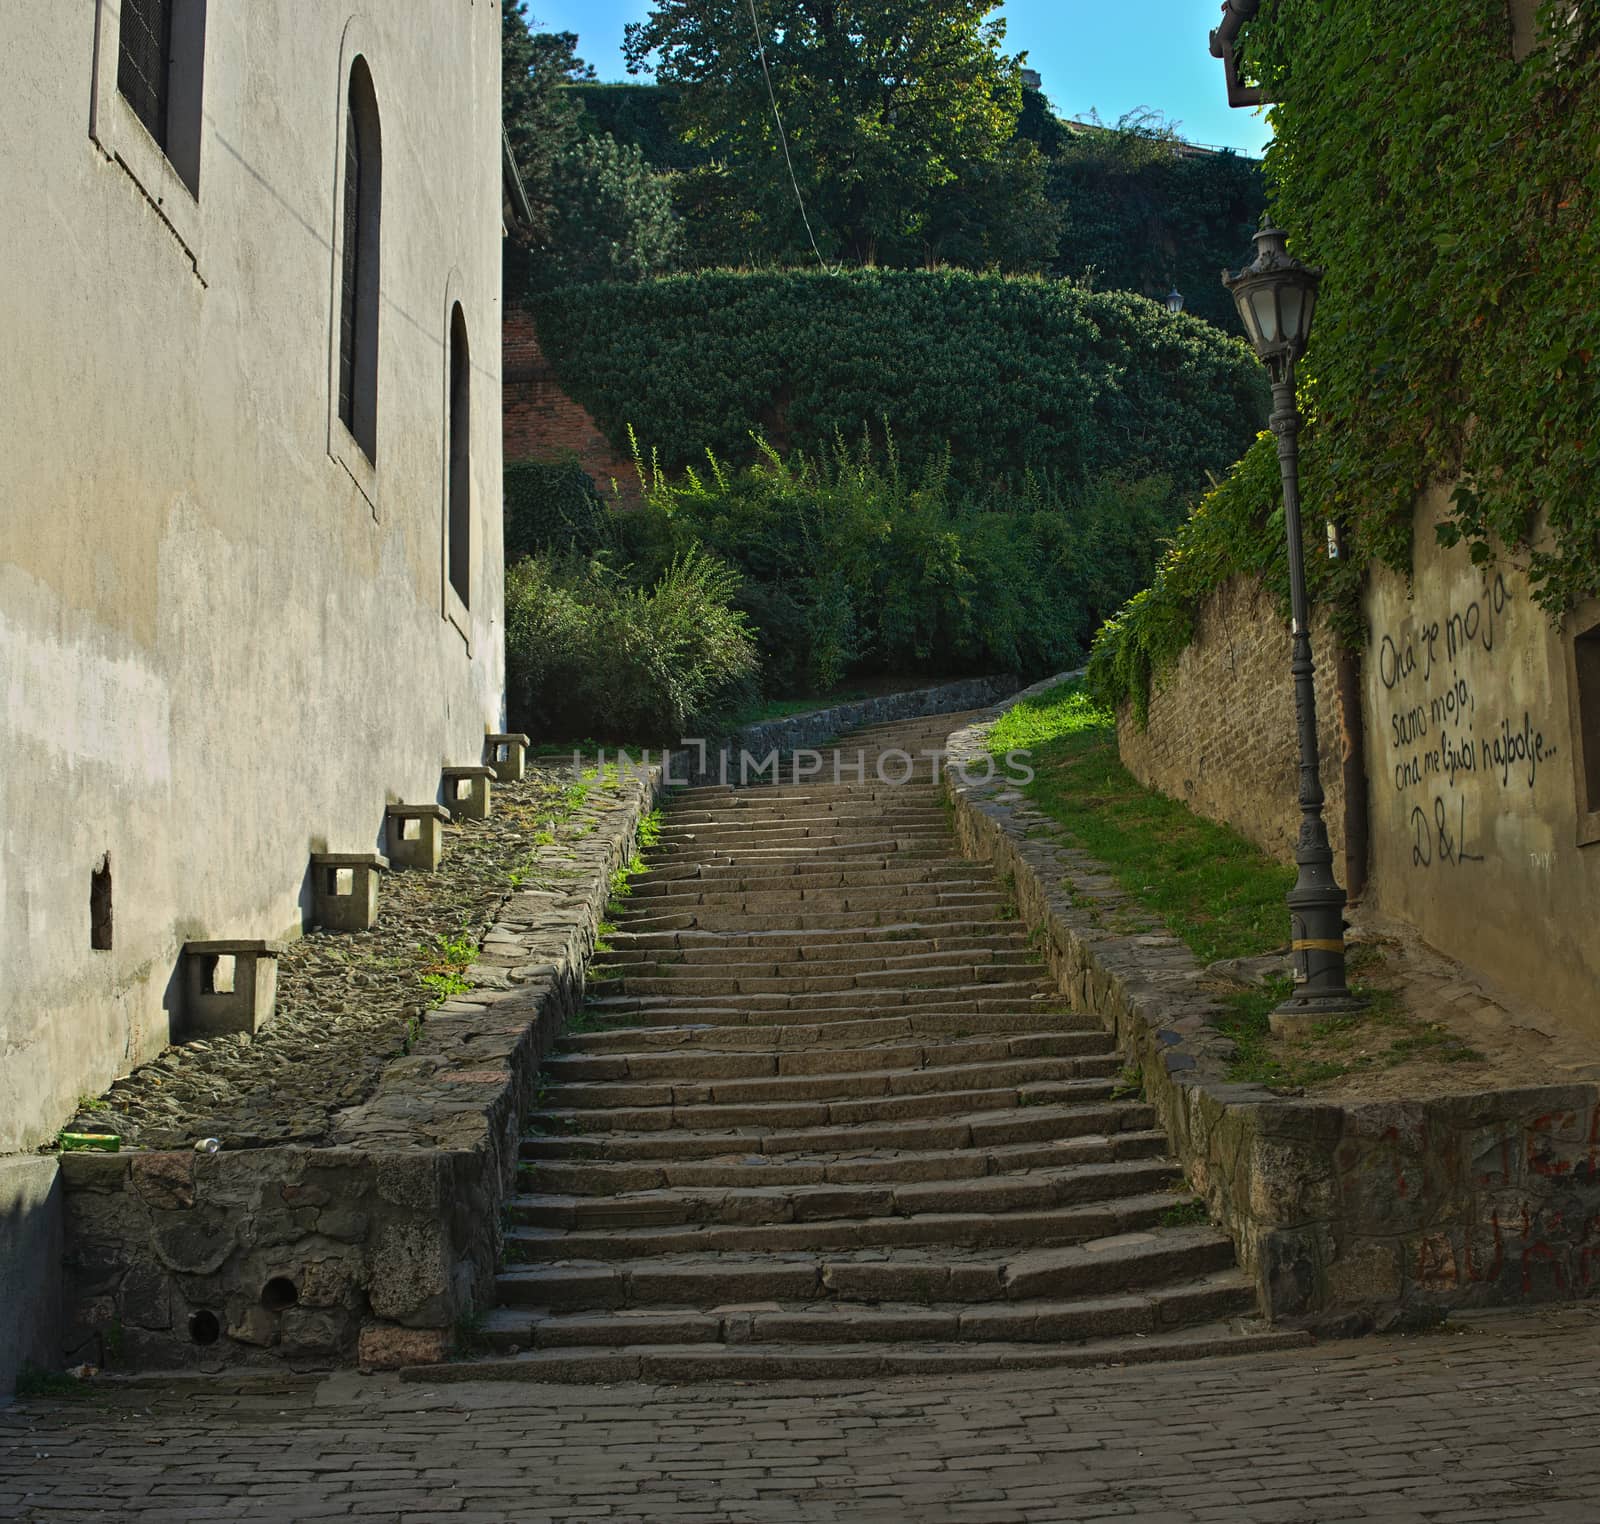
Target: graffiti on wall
pixel 1440 739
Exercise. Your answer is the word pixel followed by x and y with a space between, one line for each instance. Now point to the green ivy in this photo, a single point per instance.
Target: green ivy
pixel 1015 375
pixel 1449 192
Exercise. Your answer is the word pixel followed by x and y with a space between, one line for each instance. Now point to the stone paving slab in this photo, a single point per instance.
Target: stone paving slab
pixel 1488 1422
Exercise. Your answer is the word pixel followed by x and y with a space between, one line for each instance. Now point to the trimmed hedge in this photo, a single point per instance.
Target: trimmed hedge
pixel 1014 374
pixel 551 506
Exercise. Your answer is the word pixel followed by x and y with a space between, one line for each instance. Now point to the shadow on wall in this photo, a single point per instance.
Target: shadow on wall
pixel 30 1266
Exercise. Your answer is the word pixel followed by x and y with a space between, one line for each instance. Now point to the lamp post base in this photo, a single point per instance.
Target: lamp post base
pixel 1300 1015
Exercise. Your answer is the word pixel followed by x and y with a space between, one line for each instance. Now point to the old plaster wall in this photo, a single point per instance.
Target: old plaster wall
pixel 1221 735
pixel 216 653
pixel 1471 756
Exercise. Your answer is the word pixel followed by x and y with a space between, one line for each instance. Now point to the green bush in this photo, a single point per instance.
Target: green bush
pixel 588 653
pixel 850 563
pixel 551 506
pixel 1014 374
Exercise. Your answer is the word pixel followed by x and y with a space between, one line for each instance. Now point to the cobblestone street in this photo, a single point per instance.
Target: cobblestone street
pixel 1496 1421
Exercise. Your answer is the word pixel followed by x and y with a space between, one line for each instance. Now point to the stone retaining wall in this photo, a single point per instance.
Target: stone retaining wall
pixel 376 1247
pixel 1348 1216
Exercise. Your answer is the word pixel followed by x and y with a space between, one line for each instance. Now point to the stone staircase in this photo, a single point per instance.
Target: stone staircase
pixel 826 1115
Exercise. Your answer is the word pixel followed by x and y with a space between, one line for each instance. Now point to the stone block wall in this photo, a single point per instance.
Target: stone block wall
pixel 1222 732
pixel 374 1249
pixel 541 422
pixel 1348 1216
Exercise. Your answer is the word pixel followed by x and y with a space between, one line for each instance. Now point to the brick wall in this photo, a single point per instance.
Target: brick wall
pixel 541 422
pixel 1222 724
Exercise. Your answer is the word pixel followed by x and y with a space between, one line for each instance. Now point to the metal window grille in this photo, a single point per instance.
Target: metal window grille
pixel 144 61
pixel 348 276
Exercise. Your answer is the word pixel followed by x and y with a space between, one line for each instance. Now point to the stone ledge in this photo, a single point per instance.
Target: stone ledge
pixel 1348 1216
pixel 372 1249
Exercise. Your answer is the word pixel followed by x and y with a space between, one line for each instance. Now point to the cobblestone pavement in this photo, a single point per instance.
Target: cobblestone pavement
pixel 1498 1421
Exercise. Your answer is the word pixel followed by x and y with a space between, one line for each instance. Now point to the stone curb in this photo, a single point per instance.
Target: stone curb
pixel 1348 1217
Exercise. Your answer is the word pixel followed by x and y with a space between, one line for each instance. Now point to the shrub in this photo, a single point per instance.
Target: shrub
pixel 849 563
pixel 551 506
pixel 590 654
pixel 1019 375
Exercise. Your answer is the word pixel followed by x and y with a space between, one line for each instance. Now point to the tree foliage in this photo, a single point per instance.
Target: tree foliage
pixel 887 106
pixel 613 218
pixel 540 117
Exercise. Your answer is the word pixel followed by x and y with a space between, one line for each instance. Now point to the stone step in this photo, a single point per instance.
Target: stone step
pixel 678 1364
pixel 902 899
pixel 705 1064
pixel 1206 1298
pixel 918 975
pixel 793 958
pixel 801 944
pixel 1004 990
pixel 1124 1261
pixel 984 1228
pixel 831 816
pixel 1093 1113
pixel 983 1076
pixel 882 919
pixel 834 1034
pixel 891 1167
pixel 806 875
pixel 772 1115
pixel 1025 1190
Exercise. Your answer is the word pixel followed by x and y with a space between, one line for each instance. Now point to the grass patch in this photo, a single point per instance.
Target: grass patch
pixel 445 965
pixel 50 1386
pixel 1210 887
pixel 1216 891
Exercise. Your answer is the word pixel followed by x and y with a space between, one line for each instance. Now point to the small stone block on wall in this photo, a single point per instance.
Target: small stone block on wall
pixel 345 889
pixel 414 835
pixel 228 987
pixel 466 792
pixel 508 756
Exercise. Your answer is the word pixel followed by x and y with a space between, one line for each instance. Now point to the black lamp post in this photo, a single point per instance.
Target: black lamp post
pixel 1174 300
pixel 1276 297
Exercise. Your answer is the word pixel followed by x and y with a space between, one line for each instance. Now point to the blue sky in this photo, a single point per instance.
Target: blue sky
pixel 1113 58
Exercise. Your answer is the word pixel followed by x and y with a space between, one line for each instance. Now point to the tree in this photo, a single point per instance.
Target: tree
pixel 613 217
pixel 886 105
pixel 541 119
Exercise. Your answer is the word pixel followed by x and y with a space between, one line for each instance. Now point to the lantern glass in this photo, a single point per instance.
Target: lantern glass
pixel 1175 300
pixel 1291 305
pixel 1263 302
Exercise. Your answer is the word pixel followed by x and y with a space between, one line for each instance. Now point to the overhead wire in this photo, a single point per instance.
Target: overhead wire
pixel 783 136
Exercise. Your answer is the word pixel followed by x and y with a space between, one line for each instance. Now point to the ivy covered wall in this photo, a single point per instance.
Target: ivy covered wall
pixel 1447 181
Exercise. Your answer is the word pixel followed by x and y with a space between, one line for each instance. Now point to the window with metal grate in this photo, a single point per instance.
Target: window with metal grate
pixel 144 62
pixel 361 198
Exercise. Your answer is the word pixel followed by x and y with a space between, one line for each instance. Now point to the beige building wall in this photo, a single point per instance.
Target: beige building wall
pixel 218 650
pixel 1474 757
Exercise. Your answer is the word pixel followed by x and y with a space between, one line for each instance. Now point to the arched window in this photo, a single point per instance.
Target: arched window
pixel 358 280
pixel 458 536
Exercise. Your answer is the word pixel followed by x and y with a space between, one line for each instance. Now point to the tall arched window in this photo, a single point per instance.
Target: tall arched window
pixel 458 537
pixel 358 280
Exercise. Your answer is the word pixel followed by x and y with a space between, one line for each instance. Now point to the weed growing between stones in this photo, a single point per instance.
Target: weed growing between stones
pixel 449 958
pixel 1129 1085
pixel 1187 1214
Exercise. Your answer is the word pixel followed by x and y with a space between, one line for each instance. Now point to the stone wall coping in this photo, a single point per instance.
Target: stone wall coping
pixel 469 770
pixel 350 860
pixel 1346 1213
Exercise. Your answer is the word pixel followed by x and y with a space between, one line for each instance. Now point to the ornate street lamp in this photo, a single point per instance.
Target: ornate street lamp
pixel 1174 300
pixel 1276 297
